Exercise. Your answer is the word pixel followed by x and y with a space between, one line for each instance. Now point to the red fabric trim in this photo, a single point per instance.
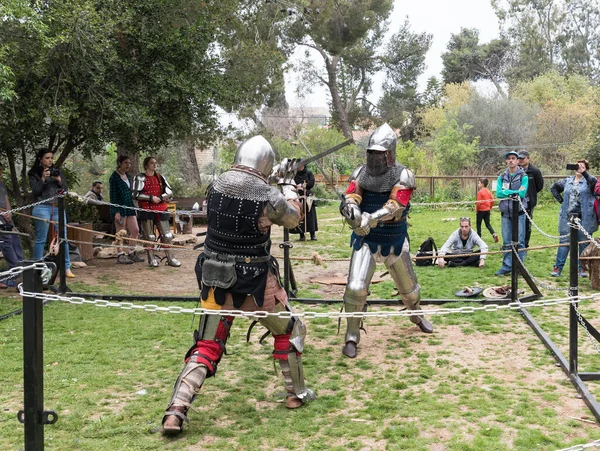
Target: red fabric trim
pixel 282 343
pixel 403 196
pixel 222 332
pixel 210 352
pixel 351 188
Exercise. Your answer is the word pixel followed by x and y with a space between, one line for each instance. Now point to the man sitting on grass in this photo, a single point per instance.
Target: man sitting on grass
pixel 463 241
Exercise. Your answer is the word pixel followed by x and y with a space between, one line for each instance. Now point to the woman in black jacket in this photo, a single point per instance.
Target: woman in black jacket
pixel 46 182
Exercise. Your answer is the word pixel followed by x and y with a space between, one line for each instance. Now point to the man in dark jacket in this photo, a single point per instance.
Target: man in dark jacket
pixel 536 184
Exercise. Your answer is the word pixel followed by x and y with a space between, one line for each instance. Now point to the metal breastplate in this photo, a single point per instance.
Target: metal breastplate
pixel 380 182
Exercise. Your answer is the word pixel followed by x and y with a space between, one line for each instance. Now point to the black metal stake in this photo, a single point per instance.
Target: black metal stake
pixel 33 415
pixel 514 246
pixel 62 288
pixel 573 291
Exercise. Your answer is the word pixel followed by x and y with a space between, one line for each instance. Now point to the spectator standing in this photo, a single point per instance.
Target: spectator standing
pixel 10 245
pixel 485 202
pixel 463 241
pixel 305 181
pixel 47 181
pixel 94 195
pixel 512 181
pixel 123 217
pixel 536 184
pixel 576 196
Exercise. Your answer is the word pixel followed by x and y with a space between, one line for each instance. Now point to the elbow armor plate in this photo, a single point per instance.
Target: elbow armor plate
pixel 139 181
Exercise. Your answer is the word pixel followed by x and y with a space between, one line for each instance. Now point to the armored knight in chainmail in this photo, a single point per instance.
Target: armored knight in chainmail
pixel 236 271
pixel 376 205
pixel 152 192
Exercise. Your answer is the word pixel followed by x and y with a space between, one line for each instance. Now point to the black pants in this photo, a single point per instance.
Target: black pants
pixel 473 260
pixel 484 216
pixel 528 226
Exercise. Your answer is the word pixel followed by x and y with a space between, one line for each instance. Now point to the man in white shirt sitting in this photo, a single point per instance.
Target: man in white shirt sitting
pixel 463 241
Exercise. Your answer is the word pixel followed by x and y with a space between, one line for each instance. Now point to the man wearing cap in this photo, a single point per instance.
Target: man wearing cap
pixel 512 181
pixel 536 184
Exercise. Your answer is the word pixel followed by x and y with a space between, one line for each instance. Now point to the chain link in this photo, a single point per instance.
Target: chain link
pixel 594 444
pixel 547 235
pixel 285 314
pixel 24 207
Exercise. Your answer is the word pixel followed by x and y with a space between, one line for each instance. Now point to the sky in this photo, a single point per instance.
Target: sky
pixel 441 18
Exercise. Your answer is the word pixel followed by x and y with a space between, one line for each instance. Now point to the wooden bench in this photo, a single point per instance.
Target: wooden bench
pixel 186 203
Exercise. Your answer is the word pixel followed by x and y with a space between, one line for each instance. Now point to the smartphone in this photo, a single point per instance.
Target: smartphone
pixel 572 167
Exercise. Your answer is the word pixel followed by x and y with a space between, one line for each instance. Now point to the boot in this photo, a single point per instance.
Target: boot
pixel 349 350
pixel 152 261
pixel 172 261
pixel 173 420
pixel 425 326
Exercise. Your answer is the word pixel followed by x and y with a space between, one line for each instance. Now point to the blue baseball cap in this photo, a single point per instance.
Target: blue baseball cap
pixel 512 152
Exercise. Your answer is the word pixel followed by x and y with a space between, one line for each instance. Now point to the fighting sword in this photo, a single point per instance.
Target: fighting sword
pixel 306 161
pixel 327 178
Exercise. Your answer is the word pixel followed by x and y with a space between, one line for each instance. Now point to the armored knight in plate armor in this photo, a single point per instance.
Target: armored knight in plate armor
pixel 152 193
pixel 375 206
pixel 236 271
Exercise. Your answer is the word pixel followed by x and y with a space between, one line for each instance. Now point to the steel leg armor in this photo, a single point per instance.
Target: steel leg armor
pixel 166 237
pixel 362 268
pixel 289 343
pixel 402 272
pixel 148 229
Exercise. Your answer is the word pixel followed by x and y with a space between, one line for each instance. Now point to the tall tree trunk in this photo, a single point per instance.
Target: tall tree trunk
pixel 336 100
pixel 190 167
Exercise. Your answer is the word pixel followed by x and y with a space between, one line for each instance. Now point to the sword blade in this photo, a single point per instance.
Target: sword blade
pixel 322 154
pixel 327 178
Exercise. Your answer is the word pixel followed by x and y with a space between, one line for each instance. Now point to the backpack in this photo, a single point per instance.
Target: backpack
pixel 426 249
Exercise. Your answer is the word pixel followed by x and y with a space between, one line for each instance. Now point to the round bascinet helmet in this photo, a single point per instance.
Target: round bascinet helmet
pixel 383 139
pixel 256 153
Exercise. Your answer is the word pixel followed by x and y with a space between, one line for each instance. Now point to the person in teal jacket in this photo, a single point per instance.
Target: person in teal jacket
pixel 512 181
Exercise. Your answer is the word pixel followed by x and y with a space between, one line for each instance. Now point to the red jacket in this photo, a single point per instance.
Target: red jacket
pixel 484 195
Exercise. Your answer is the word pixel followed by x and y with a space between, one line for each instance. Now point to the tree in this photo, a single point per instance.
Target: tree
pixel 551 34
pixel 467 59
pixel 404 61
pixel 346 35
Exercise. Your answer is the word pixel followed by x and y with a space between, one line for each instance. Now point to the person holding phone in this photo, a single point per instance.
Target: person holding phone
pixel 46 182
pixel 123 217
pixel 576 196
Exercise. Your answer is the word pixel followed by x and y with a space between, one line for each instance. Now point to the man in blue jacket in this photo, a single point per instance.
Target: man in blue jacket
pixel 512 181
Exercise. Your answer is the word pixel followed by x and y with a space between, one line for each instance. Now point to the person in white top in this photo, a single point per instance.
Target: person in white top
pixel 463 241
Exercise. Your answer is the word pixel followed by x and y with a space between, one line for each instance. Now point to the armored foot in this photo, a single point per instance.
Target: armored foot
pixel 173 420
pixel 349 349
pixel 425 326
pixel 293 402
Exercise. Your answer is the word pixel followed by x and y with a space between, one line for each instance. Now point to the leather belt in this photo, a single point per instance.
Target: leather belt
pixel 224 257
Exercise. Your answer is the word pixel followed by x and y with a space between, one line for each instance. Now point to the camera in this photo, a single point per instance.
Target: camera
pixel 54 172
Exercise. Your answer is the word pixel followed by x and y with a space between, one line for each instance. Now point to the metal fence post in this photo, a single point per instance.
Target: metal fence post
pixel 62 287
pixel 33 415
pixel 573 291
pixel 514 247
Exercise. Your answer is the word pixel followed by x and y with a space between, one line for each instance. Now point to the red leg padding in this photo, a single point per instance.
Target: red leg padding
pixel 209 352
pixel 281 347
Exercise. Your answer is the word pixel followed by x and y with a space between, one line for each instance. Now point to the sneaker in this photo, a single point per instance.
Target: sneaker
pixel 123 259
pixel 502 272
pixel 135 258
pixel 495 237
pixel 583 273
pixel 555 272
pixel 69 274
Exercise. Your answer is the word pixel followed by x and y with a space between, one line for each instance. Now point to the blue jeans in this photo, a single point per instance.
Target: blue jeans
pixel 507 239
pixel 13 254
pixel 41 231
pixel 563 252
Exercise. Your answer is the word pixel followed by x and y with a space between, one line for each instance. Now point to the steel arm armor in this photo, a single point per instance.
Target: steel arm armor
pixel 393 208
pixel 350 209
pixel 139 181
pixel 283 213
pixel 168 194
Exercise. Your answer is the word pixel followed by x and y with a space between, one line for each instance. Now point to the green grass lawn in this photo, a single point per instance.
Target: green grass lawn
pixel 482 381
